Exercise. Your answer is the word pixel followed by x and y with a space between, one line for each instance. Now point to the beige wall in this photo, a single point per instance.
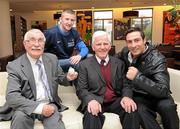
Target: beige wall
pixel 5 29
pixel 39 16
pixel 117 13
pixel 157 30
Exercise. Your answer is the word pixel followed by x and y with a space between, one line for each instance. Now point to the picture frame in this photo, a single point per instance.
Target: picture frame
pixel 171 26
pixel 42 25
pixel 120 27
pixel 84 25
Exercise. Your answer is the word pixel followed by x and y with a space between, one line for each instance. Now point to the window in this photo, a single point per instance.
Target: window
pixel 103 21
pixel 144 21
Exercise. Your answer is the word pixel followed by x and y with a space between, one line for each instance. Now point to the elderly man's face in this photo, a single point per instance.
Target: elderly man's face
pixel 34 45
pixel 101 46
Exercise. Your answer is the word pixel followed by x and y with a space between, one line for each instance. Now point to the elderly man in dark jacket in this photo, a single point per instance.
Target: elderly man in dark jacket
pixel 100 87
pixel 147 74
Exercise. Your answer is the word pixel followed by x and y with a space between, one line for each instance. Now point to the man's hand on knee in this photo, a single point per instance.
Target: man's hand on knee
pixel 48 110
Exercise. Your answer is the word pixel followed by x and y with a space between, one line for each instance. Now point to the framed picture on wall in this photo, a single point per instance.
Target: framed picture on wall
pixel 84 25
pixel 171 26
pixel 120 27
pixel 42 25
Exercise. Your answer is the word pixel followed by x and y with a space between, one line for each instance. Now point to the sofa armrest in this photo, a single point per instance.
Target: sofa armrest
pixel 175 83
pixel 3 83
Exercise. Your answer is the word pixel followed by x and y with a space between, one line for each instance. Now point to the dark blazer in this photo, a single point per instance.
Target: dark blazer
pixel 91 84
pixel 21 88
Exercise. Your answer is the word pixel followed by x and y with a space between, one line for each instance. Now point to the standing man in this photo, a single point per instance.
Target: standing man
pixel 100 87
pixel 33 83
pixel 62 40
pixel 148 76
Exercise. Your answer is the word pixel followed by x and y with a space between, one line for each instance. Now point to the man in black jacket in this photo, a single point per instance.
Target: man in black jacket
pixel 147 74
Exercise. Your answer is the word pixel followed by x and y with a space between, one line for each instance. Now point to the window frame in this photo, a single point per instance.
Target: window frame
pixel 103 21
pixel 142 18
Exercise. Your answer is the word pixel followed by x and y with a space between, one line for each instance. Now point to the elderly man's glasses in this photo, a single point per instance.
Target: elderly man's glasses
pixel 33 40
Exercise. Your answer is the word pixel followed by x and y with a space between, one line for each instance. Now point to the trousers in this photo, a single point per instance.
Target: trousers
pixel 128 120
pixel 149 106
pixel 20 120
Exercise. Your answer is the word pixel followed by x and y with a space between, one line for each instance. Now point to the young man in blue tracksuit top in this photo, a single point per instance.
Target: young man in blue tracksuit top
pixel 63 39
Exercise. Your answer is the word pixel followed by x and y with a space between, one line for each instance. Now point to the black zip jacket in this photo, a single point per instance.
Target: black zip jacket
pixel 153 77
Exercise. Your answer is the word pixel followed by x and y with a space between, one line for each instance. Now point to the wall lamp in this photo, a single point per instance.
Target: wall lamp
pixel 130 14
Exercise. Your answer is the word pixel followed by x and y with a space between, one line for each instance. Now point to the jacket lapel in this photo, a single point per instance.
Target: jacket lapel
pixel 48 68
pixel 27 70
pixel 113 71
pixel 97 68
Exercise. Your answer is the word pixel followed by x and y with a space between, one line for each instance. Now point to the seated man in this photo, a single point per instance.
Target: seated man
pixel 148 76
pixel 100 87
pixel 33 83
pixel 62 40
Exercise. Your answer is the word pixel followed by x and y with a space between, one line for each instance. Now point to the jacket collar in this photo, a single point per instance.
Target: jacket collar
pixel 27 70
pixel 97 68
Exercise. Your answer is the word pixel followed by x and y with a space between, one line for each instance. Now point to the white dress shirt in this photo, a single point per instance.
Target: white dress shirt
pixel 40 90
pixel 106 60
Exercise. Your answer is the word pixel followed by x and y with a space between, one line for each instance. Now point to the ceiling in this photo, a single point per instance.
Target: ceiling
pixel 44 5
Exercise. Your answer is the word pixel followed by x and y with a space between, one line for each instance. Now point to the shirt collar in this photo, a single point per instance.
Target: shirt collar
pixel 106 60
pixel 32 60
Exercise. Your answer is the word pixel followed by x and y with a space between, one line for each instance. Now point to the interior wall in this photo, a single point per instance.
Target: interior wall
pixel 39 16
pixel 157 25
pixel 157 32
pixel 5 29
pixel 118 13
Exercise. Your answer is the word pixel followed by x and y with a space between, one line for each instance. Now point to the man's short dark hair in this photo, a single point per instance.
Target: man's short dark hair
pixel 135 29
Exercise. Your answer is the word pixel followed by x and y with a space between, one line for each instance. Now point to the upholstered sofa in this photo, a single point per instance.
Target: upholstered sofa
pixel 71 117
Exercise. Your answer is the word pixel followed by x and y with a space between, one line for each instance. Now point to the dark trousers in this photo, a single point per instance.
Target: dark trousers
pixel 128 120
pixel 147 108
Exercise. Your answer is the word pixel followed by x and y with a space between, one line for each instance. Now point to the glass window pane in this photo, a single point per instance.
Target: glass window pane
pixel 147 28
pixel 103 21
pixel 103 15
pixel 136 22
pixel 144 23
pixel 145 12
pixel 108 27
pixel 98 25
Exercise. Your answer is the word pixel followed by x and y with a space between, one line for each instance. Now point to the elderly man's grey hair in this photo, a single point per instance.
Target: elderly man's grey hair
pixel 33 31
pixel 100 33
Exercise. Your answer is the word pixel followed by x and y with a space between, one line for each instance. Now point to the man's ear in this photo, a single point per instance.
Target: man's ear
pixel 92 47
pixel 144 40
pixel 59 19
pixel 24 43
